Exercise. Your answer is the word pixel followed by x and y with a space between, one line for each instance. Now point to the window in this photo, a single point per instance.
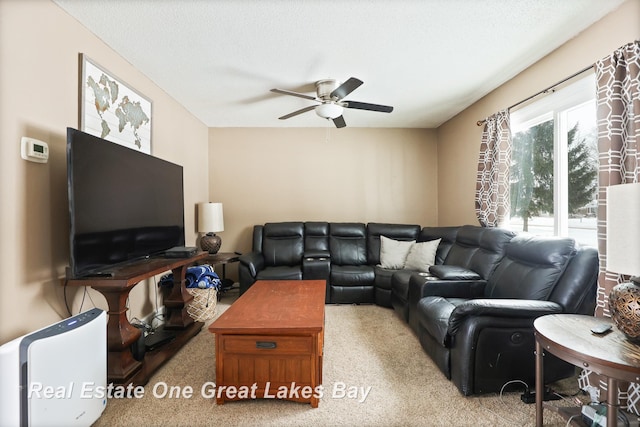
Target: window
pixel 554 164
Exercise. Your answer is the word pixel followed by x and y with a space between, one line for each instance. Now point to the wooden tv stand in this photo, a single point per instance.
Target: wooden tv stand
pixel 122 368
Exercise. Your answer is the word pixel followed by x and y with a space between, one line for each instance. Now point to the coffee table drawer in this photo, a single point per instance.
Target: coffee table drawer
pixel 253 344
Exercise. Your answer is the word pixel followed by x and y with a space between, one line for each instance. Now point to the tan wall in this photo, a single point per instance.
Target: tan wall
pixel 385 175
pixel 39 47
pixel 322 174
pixel 459 138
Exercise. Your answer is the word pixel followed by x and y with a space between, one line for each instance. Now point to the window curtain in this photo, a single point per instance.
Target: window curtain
pixel 618 113
pixel 618 97
pixel 492 184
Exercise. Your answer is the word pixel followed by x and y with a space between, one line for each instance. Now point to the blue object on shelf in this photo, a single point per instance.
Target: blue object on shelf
pixel 199 276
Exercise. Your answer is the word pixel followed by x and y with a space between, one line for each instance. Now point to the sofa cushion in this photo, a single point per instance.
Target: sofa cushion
pixel 404 232
pixel 316 236
pixel 283 243
pixel 393 253
pixel 447 236
pixel 400 283
pixel 383 277
pixel 352 275
pixel 348 244
pixel 576 290
pixel 284 272
pixel 421 256
pixel 479 248
pixel 531 267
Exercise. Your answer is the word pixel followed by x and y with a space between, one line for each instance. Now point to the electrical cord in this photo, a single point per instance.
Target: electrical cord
pixel 90 299
pixel 526 386
pixel 142 325
pixel 513 382
pixel 64 296
pixel 571 419
pixel 501 416
pixel 158 316
pixel 500 395
pixel 622 417
pixel 85 294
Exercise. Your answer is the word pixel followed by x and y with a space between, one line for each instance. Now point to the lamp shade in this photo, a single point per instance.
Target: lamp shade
pixel 623 256
pixel 210 218
pixel 623 229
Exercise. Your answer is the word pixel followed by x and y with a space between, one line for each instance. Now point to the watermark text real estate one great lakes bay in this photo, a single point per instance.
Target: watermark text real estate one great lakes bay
pixel 208 390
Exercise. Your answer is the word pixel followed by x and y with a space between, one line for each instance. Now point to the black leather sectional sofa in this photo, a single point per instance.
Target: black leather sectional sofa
pixel 472 310
pixel 346 255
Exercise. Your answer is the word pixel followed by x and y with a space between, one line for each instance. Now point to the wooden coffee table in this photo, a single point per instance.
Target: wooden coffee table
pixel 269 343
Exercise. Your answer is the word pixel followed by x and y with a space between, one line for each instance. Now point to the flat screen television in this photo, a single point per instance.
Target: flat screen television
pixel 124 205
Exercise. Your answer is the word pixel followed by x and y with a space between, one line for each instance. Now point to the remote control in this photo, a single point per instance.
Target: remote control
pixel 601 329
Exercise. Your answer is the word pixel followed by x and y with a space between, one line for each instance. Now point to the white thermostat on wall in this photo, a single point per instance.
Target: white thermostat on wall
pixel 34 150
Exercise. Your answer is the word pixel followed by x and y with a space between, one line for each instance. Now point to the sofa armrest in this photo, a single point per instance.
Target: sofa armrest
pixel 508 308
pixel 421 285
pixel 453 272
pixel 253 261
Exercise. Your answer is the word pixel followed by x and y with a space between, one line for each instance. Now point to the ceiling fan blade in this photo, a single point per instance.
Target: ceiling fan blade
pixel 366 106
pixel 346 88
pixel 295 113
pixel 299 95
pixel 339 122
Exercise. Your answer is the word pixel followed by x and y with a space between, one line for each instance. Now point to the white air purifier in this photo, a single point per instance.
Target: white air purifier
pixel 56 376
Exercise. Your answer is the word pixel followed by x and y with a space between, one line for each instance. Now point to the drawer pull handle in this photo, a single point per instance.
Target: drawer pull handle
pixel 266 344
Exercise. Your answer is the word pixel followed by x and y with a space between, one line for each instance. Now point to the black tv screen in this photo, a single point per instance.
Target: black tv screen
pixel 124 205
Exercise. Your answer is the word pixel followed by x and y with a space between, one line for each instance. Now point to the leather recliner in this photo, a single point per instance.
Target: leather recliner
pixel 473 254
pixel 383 276
pixel 280 258
pixel 351 278
pixel 480 333
pixel 399 281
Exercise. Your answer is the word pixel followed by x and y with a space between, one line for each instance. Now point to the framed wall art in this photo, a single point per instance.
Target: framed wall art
pixel 112 110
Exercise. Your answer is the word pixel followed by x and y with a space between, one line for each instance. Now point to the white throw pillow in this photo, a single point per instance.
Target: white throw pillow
pixel 394 252
pixel 422 255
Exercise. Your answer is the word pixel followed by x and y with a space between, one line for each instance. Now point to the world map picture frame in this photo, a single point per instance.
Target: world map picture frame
pixel 113 110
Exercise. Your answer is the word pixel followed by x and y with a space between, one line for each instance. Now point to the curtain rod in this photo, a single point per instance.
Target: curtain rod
pixel 481 122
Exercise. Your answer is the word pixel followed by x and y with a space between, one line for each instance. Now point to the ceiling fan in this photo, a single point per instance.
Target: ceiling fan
pixel 330 94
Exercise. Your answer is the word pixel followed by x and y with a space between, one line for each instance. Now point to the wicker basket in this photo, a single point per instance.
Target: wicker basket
pixel 203 306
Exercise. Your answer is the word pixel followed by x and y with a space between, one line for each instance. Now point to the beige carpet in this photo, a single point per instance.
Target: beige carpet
pixel 366 347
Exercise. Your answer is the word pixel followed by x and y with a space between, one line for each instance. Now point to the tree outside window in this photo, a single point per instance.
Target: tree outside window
pixel 554 168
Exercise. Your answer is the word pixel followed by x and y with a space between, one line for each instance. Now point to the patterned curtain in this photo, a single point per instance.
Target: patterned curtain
pixel 618 98
pixel 492 184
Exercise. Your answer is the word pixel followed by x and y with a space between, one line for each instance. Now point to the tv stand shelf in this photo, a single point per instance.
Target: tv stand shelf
pixel 122 367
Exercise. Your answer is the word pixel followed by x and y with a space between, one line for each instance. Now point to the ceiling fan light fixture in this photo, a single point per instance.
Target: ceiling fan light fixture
pixel 329 110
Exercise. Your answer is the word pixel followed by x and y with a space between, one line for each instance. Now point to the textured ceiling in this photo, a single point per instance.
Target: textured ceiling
pixel 430 59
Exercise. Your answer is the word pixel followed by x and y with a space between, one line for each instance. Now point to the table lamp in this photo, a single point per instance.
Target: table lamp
pixel 210 221
pixel 623 256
